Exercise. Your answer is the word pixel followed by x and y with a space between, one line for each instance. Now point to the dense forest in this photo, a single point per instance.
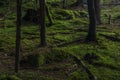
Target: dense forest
pixel 59 39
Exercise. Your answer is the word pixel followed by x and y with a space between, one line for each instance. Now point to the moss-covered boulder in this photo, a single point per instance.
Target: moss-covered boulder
pixel 34 59
pixel 80 14
pixel 39 57
pixel 62 14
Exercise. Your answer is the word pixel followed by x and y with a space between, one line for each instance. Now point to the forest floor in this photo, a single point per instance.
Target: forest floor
pixel 66 37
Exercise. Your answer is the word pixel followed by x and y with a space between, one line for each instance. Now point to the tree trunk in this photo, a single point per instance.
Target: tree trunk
pixel 18 35
pixel 35 4
pixel 92 19
pixel 97 11
pixel 42 23
pixel 64 3
pixel 49 15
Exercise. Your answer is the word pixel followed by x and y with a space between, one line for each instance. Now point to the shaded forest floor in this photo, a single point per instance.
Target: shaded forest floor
pixel 66 36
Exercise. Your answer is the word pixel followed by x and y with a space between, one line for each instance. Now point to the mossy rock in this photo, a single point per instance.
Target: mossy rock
pixel 80 14
pixel 83 13
pixel 63 14
pixel 7 77
pixel 32 60
pixel 41 58
pixel 57 55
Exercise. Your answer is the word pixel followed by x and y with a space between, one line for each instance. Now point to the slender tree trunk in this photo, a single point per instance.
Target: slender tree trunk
pixel 92 19
pixel 64 3
pixel 18 36
pixel 49 15
pixel 97 11
pixel 9 7
pixel 42 23
pixel 36 4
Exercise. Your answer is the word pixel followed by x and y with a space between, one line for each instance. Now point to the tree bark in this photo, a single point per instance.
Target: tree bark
pixel 18 35
pixel 35 4
pixel 42 23
pixel 64 3
pixel 97 11
pixel 49 15
pixel 92 21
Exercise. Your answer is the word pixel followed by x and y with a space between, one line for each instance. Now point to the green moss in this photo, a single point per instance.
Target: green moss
pixel 7 77
pixel 56 55
pixel 81 14
pixel 63 14
pixel 78 75
pixel 81 22
pixel 33 60
pixel 38 59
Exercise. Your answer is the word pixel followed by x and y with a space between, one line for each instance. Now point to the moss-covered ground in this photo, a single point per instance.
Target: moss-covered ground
pixel 65 37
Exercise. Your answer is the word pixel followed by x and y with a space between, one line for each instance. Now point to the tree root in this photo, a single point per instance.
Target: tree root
pixel 80 62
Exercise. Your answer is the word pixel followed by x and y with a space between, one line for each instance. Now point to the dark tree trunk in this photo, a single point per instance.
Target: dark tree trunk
pixel 18 35
pixel 97 11
pixel 42 23
pixel 36 4
pixel 49 15
pixel 92 19
pixel 64 3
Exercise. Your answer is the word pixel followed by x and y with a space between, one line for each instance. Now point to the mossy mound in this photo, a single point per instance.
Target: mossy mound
pixel 40 58
pixel 63 14
pixel 81 14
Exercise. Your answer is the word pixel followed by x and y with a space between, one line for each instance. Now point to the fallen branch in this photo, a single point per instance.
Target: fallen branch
pixel 90 74
pixel 110 37
pixel 107 66
pixel 67 43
